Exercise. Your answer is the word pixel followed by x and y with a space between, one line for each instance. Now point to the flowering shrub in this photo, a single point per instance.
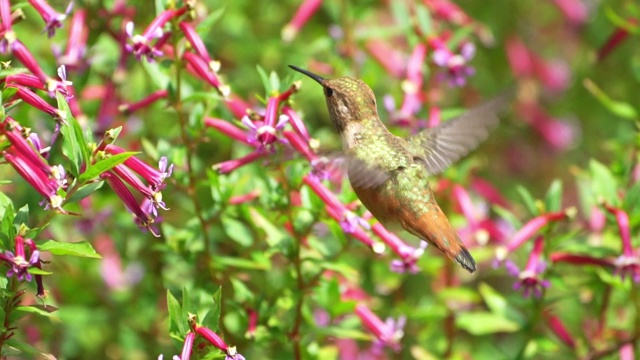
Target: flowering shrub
pixel 167 194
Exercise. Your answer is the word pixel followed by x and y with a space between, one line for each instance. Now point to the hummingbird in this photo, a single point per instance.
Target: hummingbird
pixel 390 174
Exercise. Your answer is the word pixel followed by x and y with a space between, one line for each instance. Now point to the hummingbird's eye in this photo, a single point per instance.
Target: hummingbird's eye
pixel 328 92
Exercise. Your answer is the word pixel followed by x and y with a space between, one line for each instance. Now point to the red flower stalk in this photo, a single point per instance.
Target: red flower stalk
pixel 228 129
pixel 35 176
pixel 434 117
pixel 489 192
pixel 253 322
pixel 623 224
pixel 73 57
pixel 198 45
pixel 187 346
pixel 529 279
pixel 153 97
pixel 618 36
pixel 296 123
pixel 154 177
pixel 579 259
pixel 559 135
pixel 530 228
pixel 52 18
pixel 241 199
pixel 233 164
pixel 142 218
pixel 140 46
pixel 302 15
pixel 217 341
pixel 24 56
pixel 5 16
pixel 387 333
pixel 202 69
pixel 237 106
pixel 37 102
pixel 300 145
pixel 412 85
pixel 575 11
pixel 408 255
pixel 558 328
pixel 389 58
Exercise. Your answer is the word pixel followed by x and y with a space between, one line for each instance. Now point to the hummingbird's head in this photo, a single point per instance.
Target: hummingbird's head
pixel 349 100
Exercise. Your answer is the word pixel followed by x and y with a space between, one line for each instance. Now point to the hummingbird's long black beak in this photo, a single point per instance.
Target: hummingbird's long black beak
pixel 315 77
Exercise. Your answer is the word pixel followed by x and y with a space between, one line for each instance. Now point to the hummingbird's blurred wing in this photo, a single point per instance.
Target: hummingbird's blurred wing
pixel 441 146
pixel 361 174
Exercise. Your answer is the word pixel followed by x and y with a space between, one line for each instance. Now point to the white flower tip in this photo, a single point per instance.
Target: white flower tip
pixel 378 248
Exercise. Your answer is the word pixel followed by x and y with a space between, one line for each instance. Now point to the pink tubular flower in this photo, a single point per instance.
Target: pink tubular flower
pixel 558 328
pixel 575 11
pixel 530 228
pixel 199 66
pixel 198 45
pixel 303 14
pixel 623 225
pixel 228 129
pixel 412 84
pixel 252 323
pixel 140 43
pixel 52 18
pixel 142 218
pixel 408 255
pixel 188 346
pixel 296 123
pixel 237 106
pixel 262 134
pixel 217 341
pixel 389 58
pixel 387 333
pixel 529 280
pixel 74 56
pixel 233 164
pixel 455 65
pixel 619 36
pixel 37 102
pixel 155 96
pixel 155 178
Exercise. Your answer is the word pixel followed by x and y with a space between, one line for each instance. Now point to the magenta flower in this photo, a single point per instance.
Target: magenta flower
pixel 74 56
pixel 215 340
pixel 456 66
pixel 19 266
pixel 262 135
pixel 153 97
pixel 52 18
pixel 412 84
pixel 558 328
pixel 529 279
pixel 155 178
pixel 187 346
pixel 388 333
pixel 141 217
pixel 141 43
pixel 226 167
pixel 205 71
pixel 301 17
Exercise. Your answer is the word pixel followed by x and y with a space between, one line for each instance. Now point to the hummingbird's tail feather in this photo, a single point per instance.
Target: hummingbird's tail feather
pixel 435 228
pixel 465 260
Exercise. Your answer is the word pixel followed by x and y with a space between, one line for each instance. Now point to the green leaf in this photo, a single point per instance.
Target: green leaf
pixel 105 165
pixel 74 146
pixel 553 200
pixel 42 311
pixel 36 271
pixel 237 230
pixel 221 262
pixel 241 292
pixel 275 235
pixel 212 318
pixel 85 191
pixel 485 323
pixel 619 108
pixel 499 305
pixel 7 230
pixel 80 249
pixel 343 333
pixel 603 183
pixel 528 200
pixel 423 19
pixel 274 82
pixel 265 79
pixel 178 322
pixel 204 26
pixel 22 217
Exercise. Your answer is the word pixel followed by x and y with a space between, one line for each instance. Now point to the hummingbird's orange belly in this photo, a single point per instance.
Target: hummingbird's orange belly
pixel 382 206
